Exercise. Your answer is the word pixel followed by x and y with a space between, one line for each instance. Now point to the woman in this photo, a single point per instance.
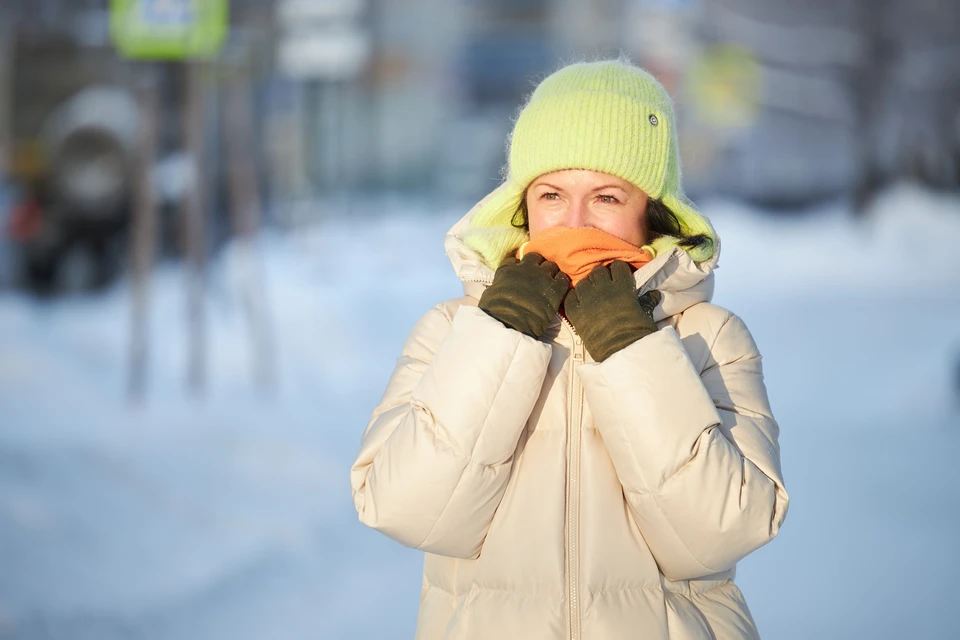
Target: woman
pixel 582 444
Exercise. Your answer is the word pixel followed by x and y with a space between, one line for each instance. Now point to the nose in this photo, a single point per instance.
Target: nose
pixel 576 214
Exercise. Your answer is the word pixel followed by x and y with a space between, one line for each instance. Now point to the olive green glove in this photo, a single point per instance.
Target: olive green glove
pixel 526 294
pixel 605 310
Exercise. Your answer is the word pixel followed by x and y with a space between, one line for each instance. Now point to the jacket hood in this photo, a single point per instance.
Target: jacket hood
pixel 682 281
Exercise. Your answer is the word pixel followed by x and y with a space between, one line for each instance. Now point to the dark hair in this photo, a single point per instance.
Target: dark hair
pixel 661 221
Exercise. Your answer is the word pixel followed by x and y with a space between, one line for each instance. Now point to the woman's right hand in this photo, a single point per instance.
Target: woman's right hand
pixel 526 294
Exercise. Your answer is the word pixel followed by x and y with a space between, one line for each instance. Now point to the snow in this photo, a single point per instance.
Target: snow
pixel 229 516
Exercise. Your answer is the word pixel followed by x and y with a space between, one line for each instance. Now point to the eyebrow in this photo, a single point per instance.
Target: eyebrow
pixel 547 185
pixel 595 189
pixel 610 186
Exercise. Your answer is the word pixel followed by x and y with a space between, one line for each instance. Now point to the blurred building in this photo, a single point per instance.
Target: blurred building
pixel 781 103
pixel 855 94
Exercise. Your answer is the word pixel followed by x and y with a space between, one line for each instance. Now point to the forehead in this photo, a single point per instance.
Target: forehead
pixel 581 178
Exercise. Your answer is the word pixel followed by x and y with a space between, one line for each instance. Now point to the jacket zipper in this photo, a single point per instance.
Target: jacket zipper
pixel 572 551
pixel 573 487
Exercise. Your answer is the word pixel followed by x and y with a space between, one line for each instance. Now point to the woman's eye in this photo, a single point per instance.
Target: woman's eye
pixel 550 195
pixel 608 199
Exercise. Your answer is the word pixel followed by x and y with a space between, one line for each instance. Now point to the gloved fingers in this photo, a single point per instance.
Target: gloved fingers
pixel 650 300
pixel 600 273
pixel 620 270
pixel 532 258
pixel 550 267
pixel 560 276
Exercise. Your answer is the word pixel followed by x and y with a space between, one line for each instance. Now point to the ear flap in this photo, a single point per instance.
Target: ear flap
pixel 491 233
pixel 692 223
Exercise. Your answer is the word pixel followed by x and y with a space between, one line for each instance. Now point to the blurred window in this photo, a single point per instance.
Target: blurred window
pixel 497 66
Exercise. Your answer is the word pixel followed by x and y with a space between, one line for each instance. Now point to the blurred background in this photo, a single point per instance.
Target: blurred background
pixel 220 218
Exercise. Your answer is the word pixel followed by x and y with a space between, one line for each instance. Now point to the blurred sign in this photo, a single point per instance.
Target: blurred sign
pixel 667 5
pixel 322 39
pixel 294 13
pixel 333 53
pixel 168 29
pixel 725 86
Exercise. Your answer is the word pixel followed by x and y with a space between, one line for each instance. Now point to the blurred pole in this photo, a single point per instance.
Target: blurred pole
pixel 194 236
pixel 6 94
pixel 334 157
pixel 321 138
pixel 143 241
pixel 245 220
pixel 869 85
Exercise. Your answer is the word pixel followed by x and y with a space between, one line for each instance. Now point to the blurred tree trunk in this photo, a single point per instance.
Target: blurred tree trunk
pixel 238 135
pixel 143 240
pixel 870 89
pixel 194 236
pixel 6 93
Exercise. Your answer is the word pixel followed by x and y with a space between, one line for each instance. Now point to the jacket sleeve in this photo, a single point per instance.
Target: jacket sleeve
pixel 436 455
pixel 697 453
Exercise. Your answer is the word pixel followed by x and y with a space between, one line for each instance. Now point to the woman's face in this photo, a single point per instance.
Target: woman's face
pixel 584 198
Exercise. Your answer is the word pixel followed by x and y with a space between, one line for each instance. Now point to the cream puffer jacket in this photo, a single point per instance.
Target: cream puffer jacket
pixel 561 498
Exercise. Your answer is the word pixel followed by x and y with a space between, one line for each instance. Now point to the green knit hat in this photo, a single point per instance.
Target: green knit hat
pixel 608 116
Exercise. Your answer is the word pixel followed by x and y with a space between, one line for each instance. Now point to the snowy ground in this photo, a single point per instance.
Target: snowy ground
pixel 230 517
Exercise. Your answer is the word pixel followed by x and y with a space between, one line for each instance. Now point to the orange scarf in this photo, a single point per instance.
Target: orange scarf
pixel 577 250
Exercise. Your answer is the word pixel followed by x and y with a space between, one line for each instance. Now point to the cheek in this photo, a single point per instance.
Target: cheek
pixel 626 227
pixel 541 217
pixel 534 220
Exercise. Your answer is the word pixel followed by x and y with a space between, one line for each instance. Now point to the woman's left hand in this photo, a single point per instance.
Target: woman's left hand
pixel 605 310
